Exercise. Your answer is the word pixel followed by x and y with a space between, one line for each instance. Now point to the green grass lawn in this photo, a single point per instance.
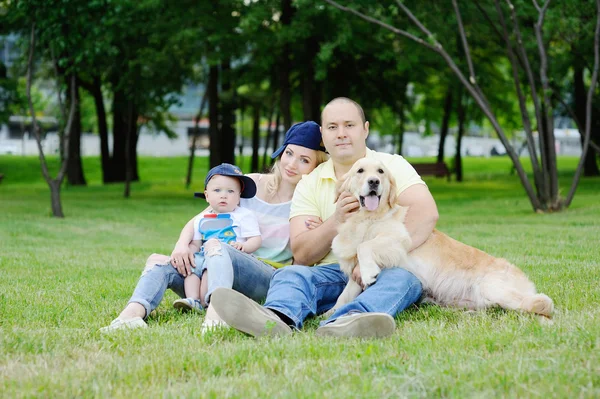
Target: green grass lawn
pixel 61 280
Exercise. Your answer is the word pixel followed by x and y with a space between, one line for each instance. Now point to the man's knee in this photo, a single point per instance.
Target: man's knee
pixel 293 272
pixel 406 278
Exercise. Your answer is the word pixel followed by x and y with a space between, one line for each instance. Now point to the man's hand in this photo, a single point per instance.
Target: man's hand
pixel 346 206
pixel 356 276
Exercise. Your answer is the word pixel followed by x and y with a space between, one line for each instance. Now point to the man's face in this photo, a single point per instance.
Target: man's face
pixel 344 134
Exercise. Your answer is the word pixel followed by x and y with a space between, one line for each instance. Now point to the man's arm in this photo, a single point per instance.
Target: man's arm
pixel 422 213
pixel 311 245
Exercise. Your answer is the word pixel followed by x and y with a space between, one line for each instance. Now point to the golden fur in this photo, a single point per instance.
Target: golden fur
pixel 452 273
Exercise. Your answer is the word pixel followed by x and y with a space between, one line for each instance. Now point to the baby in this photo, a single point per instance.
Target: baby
pixel 225 221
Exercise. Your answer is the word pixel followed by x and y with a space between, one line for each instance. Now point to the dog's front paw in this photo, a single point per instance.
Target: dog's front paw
pixel 370 277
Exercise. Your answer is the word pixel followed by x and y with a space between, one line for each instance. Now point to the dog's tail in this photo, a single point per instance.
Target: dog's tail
pixel 539 303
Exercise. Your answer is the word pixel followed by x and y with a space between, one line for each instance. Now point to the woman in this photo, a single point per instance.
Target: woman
pixel 301 152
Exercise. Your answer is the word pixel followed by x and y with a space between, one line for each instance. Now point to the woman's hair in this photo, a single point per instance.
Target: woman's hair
pixel 275 174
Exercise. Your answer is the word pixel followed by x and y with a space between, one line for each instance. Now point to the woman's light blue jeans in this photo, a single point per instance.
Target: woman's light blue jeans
pixel 230 269
pixel 302 291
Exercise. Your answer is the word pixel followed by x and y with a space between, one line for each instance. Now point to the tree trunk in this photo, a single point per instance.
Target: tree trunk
pixel 285 98
pixel 227 135
pixel 311 89
pixel 128 158
pixel 270 133
pixel 213 116
pixel 402 120
pixel 590 167
pixel 188 177
pixel 119 131
pixel 445 123
pixel 102 128
pixel 276 134
pixel 255 137
pixel 55 199
pixel 75 176
pixel 461 115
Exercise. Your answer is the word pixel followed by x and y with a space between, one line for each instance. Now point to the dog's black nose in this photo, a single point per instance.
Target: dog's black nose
pixel 373 182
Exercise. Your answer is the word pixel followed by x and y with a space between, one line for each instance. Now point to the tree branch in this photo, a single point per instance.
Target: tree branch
pixel 61 104
pixel 463 37
pixel 588 108
pixel 382 24
pixel 66 136
pixel 478 97
pixel 546 130
pixel 534 95
pixel 522 103
pixel 34 124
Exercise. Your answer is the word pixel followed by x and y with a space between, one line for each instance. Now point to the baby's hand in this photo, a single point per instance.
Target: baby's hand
pixel 237 245
pixel 313 223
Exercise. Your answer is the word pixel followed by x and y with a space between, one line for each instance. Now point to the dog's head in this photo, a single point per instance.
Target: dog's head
pixel 371 183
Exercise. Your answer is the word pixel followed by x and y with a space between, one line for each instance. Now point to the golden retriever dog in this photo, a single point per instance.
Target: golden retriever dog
pixel 451 273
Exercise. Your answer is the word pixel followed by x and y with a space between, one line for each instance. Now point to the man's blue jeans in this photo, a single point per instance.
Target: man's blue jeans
pixel 302 291
pixel 230 269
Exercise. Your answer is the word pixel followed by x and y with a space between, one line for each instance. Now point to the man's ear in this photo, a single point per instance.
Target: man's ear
pixel 341 186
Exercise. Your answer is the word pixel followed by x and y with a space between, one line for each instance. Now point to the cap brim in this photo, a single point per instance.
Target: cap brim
pixel 249 190
pixel 278 152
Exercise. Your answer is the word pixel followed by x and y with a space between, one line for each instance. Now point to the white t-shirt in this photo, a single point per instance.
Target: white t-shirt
pixel 245 224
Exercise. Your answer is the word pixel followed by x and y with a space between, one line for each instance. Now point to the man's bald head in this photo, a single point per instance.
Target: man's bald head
pixel 339 100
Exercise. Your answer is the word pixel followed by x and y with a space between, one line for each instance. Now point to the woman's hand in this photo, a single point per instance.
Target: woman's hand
pixel 313 222
pixel 182 259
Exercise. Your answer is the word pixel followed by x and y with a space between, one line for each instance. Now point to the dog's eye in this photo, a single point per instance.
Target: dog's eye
pixel 360 170
pixel 380 170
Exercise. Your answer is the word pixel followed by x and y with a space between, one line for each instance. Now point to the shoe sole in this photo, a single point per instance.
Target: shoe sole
pixel 245 315
pixel 367 325
pixel 184 307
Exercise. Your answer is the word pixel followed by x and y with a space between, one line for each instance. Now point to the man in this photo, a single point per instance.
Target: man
pixel 297 292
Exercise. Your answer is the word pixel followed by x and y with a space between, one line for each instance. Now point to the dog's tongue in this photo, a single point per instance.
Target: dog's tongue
pixel 371 202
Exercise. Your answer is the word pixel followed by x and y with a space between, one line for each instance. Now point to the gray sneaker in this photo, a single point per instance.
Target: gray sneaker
pixel 360 325
pixel 243 314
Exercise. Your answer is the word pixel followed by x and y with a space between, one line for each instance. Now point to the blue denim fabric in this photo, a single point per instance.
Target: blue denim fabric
pixel 238 270
pixel 153 284
pixel 232 269
pixel 302 291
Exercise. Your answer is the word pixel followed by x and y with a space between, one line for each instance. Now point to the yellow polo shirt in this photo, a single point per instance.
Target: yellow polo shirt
pixel 315 193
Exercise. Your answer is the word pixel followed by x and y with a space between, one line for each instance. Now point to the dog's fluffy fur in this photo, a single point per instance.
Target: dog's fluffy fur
pixel 452 273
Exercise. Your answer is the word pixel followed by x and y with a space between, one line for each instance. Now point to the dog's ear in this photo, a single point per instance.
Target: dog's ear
pixel 393 196
pixel 342 185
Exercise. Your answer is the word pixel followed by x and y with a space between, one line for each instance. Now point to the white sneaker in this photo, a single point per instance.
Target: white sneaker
pixel 212 325
pixel 117 324
pixel 360 325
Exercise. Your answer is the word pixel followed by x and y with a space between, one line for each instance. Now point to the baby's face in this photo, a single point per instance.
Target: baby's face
pixel 223 193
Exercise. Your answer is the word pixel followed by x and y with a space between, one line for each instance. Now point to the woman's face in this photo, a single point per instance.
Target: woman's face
pixel 295 162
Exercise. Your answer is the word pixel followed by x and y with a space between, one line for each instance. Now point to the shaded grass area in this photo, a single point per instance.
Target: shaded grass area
pixel 63 279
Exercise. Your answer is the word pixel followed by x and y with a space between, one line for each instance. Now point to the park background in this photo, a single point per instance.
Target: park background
pixel 216 81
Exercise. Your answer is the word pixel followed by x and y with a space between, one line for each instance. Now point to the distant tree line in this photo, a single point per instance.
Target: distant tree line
pixel 504 65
